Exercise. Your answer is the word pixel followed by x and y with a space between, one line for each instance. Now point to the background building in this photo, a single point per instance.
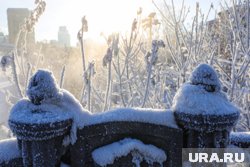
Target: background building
pixel 63 36
pixel 3 38
pixel 5 47
pixel 16 17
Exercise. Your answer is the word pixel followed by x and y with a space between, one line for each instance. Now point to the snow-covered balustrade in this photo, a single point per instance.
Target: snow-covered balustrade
pixel 240 139
pixel 203 110
pixel 40 127
pixel 52 127
pixel 156 128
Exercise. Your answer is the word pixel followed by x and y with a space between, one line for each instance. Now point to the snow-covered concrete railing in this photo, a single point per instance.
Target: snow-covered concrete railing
pixel 240 139
pixel 52 127
pixel 203 111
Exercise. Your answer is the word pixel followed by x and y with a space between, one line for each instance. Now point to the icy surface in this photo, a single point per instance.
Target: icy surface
pixel 205 75
pixel 240 136
pixel 107 154
pixel 4 132
pixel 159 117
pixel 194 99
pixel 9 149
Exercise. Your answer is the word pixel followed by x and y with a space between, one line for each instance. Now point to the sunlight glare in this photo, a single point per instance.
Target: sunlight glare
pixel 104 16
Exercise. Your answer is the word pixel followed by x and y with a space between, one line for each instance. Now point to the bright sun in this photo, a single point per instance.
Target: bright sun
pixel 105 16
pixel 112 15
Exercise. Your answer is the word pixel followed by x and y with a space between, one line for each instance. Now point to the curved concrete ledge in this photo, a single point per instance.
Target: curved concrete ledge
pixel 208 123
pixel 29 132
pixel 41 144
pixel 206 131
pixel 94 136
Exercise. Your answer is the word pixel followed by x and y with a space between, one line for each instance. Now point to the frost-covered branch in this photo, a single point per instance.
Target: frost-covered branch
pixel 151 58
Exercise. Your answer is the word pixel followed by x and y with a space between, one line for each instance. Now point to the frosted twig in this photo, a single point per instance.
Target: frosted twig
pixel 62 77
pixel 151 60
pixel 15 77
pixel 108 60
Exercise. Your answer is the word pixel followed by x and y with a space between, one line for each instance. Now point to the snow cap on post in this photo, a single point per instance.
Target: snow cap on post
pixel 42 86
pixel 201 105
pixel 206 76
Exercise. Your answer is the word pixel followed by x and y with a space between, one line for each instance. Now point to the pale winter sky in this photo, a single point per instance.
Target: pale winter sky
pixel 103 15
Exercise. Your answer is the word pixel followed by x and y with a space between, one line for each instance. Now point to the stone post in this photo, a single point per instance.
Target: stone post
pixel 40 123
pixel 203 111
pixel 41 143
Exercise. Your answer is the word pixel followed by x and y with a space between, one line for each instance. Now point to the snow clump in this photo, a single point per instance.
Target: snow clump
pixel 206 76
pixel 202 95
pixel 106 155
pixel 9 150
pixel 42 86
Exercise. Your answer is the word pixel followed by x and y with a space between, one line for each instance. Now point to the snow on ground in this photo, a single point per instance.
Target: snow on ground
pixel 194 99
pixel 107 154
pixel 9 149
pixel 5 85
pixel 4 107
pixel 4 132
pixel 154 116
pixel 5 104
